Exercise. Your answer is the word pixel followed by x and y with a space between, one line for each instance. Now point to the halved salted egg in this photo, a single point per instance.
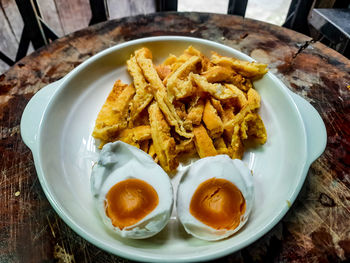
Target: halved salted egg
pixel 215 197
pixel 133 195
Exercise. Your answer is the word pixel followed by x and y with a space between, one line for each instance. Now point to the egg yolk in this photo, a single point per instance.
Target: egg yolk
pixel 129 201
pixel 218 203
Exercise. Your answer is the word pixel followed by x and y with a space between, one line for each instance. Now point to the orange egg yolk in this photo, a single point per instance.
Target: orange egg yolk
pixel 218 203
pixel 129 201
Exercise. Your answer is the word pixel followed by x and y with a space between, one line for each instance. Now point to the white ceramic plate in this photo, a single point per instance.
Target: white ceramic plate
pixel 57 125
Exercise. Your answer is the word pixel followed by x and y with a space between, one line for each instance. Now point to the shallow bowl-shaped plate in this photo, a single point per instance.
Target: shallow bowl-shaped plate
pixel 57 126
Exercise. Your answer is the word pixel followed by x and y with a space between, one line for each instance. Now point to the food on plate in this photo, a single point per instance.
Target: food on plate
pixel 132 203
pixel 188 104
pixel 215 197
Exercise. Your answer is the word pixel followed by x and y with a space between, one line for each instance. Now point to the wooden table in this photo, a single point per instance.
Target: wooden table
pixel 316 228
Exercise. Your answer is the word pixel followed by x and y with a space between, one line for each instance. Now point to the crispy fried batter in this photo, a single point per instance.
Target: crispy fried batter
pixel 195 112
pixel 186 146
pixel 164 144
pixel 217 90
pixel 163 71
pixel 220 146
pixel 178 84
pixel 253 127
pixel 241 97
pixel 159 92
pixel 143 97
pixel 204 144
pixel 135 135
pixel 237 147
pixel 241 82
pixel 214 98
pixel 219 74
pixel 113 115
pixel 245 68
pixel 212 120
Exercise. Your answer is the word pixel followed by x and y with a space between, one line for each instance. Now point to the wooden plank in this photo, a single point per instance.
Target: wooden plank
pixel 123 8
pixel 74 14
pixel 13 16
pixel 49 14
pixel 3 67
pixel 8 41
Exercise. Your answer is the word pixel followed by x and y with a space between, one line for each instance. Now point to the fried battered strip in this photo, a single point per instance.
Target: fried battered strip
pixel 159 92
pixel 227 116
pixel 163 143
pixel 241 97
pixel 253 128
pixel 135 135
pixel 220 146
pixel 219 74
pixel 217 105
pixel 195 112
pixel 253 103
pixel 202 141
pixel 163 71
pixel 245 68
pixel 217 90
pixel 178 84
pixel 237 147
pixel 186 146
pixel 241 82
pixel 143 97
pixel 212 120
pixel 113 115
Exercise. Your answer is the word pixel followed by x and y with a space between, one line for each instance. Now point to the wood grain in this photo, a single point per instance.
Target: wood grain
pixel 50 15
pixel 315 229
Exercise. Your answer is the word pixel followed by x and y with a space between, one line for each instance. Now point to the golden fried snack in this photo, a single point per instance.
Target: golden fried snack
pixel 163 71
pixel 159 92
pixel 217 90
pixel 113 115
pixel 241 82
pixel 163 143
pixel 253 128
pixel 219 74
pixel 200 105
pixel 195 112
pixel 245 68
pixel 178 84
pixel 135 135
pixel 241 97
pixel 237 148
pixel 220 146
pixel 186 146
pixel 202 141
pixel 253 103
pixel 217 105
pixel 142 97
pixel 152 152
pixel 212 120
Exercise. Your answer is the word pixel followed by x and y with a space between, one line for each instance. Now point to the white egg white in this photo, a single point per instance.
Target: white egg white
pixel 119 161
pixel 221 167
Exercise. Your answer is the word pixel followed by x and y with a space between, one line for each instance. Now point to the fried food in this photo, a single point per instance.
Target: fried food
pixel 202 141
pixel 189 104
pixel 245 68
pixel 164 144
pixel 212 120
pixel 160 92
pixel 113 115
pixel 142 97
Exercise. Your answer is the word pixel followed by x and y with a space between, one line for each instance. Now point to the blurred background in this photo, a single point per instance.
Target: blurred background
pixel 61 17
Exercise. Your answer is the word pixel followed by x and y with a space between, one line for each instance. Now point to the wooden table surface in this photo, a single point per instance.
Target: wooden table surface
pixel 316 228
